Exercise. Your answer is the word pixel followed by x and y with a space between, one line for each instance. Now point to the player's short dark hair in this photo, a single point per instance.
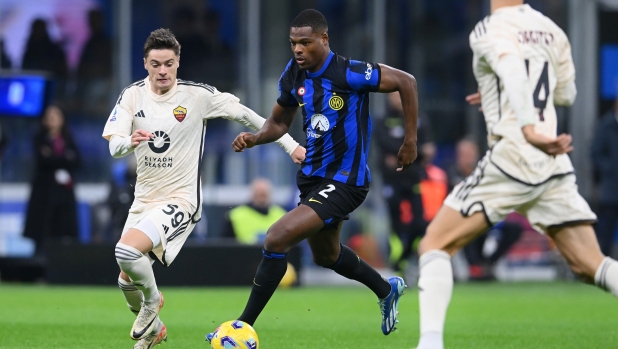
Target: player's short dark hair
pixel 161 39
pixel 310 18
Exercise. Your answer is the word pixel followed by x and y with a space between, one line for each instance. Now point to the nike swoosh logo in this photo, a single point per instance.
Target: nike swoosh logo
pixel 314 200
pixel 300 105
pixel 256 284
pixel 137 335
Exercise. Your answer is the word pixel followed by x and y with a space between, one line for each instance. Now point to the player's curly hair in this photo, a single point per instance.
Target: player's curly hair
pixel 310 18
pixel 161 39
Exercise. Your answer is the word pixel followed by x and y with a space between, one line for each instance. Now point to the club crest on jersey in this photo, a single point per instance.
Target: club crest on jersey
pixel 335 102
pixel 319 126
pixel 301 91
pixel 180 113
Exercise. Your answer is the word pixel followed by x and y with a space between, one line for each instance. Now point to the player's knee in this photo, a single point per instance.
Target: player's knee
pixel 429 241
pixel 126 254
pixel 275 243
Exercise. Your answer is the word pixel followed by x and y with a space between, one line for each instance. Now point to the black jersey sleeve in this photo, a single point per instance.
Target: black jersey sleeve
pixel 286 86
pixel 363 76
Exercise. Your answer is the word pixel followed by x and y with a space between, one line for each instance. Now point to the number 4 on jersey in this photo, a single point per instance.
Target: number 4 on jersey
pixel 543 83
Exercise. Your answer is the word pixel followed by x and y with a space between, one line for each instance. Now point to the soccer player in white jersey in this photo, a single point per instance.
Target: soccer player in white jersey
pixel 163 121
pixel 523 65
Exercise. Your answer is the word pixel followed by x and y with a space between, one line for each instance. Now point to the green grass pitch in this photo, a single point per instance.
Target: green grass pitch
pixel 521 315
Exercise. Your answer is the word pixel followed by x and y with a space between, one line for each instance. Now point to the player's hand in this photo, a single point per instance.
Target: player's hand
pixel 406 156
pixel 298 155
pixel 555 146
pixel 474 99
pixel 243 140
pixel 140 136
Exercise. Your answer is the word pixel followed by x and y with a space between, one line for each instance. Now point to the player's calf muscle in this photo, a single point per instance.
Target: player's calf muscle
pixel 579 247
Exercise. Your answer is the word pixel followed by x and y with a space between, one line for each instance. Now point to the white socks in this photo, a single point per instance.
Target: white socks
pixel 435 287
pixel 133 296
pixel 606 276
pixel 139 269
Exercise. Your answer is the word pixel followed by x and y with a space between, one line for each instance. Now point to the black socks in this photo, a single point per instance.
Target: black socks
pixel 352 267
pixel 267 277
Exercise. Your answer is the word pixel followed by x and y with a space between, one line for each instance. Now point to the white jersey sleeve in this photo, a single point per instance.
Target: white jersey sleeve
pixel 120 121
pixel 228 106
pixel 565 91
pixel 221 105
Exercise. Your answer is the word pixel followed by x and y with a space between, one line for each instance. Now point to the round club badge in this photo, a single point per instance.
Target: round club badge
pixel 335 102
pixel 301 91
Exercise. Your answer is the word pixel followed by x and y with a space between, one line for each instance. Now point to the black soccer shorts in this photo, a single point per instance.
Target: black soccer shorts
pixel 333 201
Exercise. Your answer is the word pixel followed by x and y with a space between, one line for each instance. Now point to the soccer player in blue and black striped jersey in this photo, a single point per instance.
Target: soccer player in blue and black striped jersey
pixel 333 94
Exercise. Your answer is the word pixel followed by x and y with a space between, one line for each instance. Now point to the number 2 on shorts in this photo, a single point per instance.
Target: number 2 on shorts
pixel 328 189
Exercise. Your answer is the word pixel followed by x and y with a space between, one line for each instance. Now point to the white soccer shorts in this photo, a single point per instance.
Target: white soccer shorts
pixel 553 203
pixel 173 222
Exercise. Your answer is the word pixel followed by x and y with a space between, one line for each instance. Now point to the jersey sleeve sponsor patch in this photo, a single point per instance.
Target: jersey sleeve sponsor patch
pixel 363 76
pixel 120 121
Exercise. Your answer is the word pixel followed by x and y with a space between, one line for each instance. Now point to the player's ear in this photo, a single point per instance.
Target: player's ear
pixel 145 64
pixel 325 37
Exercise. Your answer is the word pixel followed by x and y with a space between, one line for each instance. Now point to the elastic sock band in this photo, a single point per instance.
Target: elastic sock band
pixel 273 255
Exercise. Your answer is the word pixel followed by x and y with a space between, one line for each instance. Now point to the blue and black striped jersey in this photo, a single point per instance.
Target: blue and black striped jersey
pixel 335 107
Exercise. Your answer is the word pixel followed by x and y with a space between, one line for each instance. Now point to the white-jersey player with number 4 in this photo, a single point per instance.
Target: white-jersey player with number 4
pixel 162 120
pixel 522 63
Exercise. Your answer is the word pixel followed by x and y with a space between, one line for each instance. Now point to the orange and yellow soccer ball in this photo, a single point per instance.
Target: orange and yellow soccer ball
pixel 235 334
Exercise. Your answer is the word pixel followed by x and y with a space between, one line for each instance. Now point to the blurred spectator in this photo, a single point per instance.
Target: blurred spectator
pixel 249 223
pixel 193 48
pixel 504 235
pixel 401 190
pixel 3 140
pixel 44 55
pixel 121 195
pixel 466 158
pixel 220 63
pixel 52 211
pixel 605 158
pixel 94 73
pixel 434 182
pixel 5 62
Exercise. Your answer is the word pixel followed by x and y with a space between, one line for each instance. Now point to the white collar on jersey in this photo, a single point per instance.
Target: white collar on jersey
pixel 512 8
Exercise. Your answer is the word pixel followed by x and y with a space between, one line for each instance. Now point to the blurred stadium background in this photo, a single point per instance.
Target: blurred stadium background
pixel 241 46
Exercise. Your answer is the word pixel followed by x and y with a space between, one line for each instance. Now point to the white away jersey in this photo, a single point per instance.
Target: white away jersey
pixel 545 50
pixel 168 164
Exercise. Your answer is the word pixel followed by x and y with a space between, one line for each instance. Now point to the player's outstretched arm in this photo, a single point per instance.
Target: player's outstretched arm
pixel 275 131
pixel 122 146
pixel 392 80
